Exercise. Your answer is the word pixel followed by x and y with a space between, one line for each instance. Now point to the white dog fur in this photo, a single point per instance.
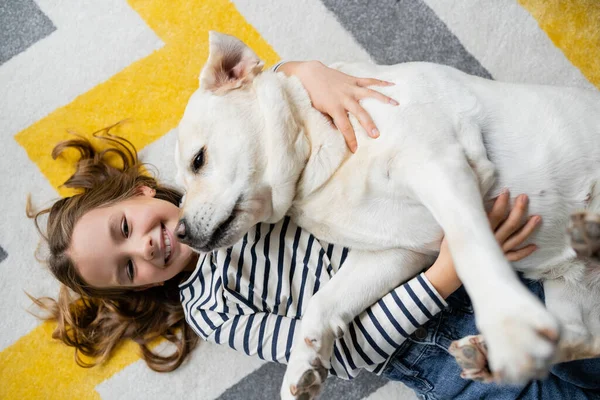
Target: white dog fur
pixel 264 152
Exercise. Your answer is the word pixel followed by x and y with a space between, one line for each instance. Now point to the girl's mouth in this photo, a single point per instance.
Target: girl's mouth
pixel 167 243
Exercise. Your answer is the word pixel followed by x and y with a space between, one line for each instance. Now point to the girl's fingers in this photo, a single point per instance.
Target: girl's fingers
pixel 364 82
pixel 364 118
pixel 364 93
pixel 330 120
pixel 499 210
pixel 522 234
pixel 514 220
pixel 520 254
pixel 341 121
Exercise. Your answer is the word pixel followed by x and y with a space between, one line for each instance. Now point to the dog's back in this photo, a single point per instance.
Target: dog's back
pixel 543 141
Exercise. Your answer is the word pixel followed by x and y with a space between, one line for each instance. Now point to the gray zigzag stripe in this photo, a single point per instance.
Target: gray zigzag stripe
pixel 265 383
pixel 22 24
pixel 394 31
pixel 3 254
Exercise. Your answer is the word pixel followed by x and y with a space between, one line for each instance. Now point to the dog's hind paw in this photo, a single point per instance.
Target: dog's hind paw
pixel 584 231
pixel 470 353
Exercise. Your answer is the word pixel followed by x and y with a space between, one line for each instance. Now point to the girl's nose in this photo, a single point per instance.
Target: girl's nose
pixel 149 249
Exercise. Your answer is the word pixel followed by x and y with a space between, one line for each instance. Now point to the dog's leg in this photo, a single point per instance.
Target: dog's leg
pixel 584 229
pixel 566 300
pixel 469 137
pixel 364 278
pixel 521 334
pixel 578 349
pixel 577 307
pixel 471 354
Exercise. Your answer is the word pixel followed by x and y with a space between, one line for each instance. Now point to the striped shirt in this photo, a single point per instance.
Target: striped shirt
pixel 252 296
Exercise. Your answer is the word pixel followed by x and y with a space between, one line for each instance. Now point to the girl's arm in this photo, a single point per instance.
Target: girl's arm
pixel 245 327
pixel 267 336
pixel 336 94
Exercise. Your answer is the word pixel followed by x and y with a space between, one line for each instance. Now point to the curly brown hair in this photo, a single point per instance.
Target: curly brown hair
pixel 93 320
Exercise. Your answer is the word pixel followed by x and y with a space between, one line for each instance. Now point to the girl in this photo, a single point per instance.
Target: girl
pixel 112 245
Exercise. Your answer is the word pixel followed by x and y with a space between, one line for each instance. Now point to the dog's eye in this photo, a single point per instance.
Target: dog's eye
pixel 198 161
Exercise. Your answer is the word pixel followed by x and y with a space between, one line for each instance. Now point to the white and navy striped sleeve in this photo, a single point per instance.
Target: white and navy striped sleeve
pixel 275 67
pixel 378 332
pixel 268 336
pixel 371 339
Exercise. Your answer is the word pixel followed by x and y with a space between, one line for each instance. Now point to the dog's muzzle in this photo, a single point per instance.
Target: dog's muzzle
pixel 204 241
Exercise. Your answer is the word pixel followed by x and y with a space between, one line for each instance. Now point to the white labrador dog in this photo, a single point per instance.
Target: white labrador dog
pixel 251 148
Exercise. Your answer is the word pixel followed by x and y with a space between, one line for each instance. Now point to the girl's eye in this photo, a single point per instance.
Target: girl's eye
pixel 130 270
pixel 125 227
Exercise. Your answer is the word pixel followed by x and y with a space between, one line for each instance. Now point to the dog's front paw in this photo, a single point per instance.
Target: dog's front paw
pixel 306 372
pixel 584 231
pixel 521 337
pixel 311 355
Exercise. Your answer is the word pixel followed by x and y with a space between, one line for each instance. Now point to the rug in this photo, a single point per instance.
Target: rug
pixel 84 64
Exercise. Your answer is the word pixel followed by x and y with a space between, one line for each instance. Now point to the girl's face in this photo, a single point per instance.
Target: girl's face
pixel 130 243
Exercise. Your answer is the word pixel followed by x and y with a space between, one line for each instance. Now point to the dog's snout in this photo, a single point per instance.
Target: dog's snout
pixel 181 230
pixel 186 234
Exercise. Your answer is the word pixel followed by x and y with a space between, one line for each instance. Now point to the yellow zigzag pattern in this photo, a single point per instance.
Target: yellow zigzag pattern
pixel 153 91
pixel 574 27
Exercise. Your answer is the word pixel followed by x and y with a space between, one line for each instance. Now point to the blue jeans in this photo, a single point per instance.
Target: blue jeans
pixel 423 363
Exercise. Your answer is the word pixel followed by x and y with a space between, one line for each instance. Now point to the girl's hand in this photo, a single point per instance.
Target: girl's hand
pixel 336 94
pixel 511 228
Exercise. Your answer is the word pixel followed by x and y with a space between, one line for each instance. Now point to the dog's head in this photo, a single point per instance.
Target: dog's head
pixel 223 158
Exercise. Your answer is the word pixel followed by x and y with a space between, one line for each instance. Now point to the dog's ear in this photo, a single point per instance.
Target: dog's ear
pixel 230 65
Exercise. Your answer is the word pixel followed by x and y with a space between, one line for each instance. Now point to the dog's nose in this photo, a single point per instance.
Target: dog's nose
pixel 181 230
